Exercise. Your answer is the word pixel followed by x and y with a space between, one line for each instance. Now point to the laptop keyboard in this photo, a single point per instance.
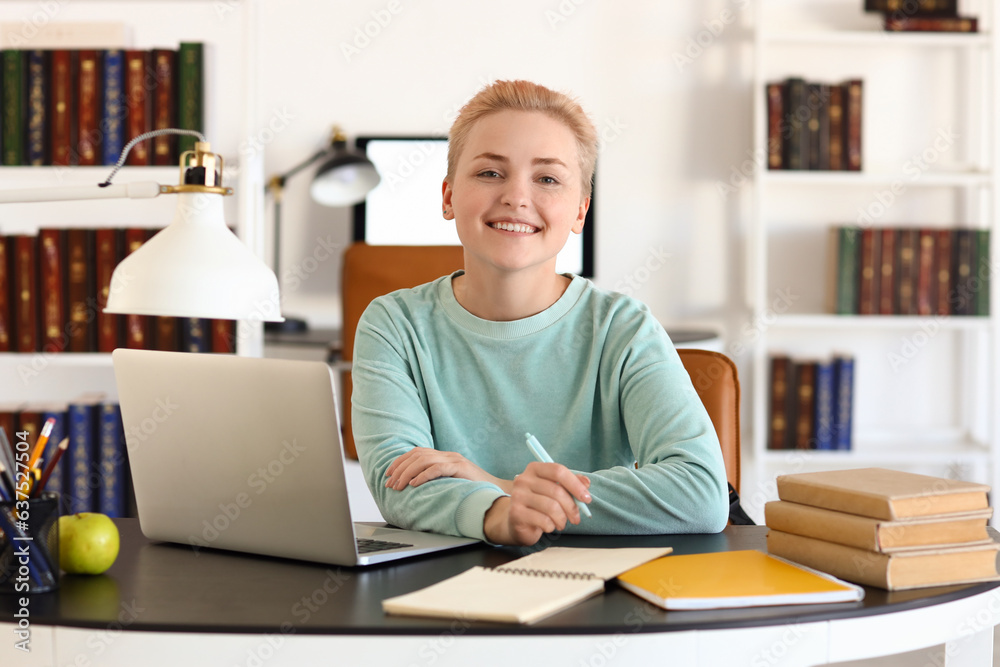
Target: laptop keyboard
pixel 367 546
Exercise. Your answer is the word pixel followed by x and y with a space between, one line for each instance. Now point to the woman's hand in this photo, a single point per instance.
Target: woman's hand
pixel 541 501
pixel 422 464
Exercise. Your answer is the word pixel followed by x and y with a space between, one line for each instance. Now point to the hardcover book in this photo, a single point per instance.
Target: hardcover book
pixel 879 535
pixel 782 402
pixel 80 290
pixel 15 104
pixel 906 284
pixel 805 407
pixel 137 120
pixel 190 91
pixel 81 475
pixel 824 422
pixel 882 493
pixel 892 571
pixel 62 107
pixel 926 278
pixel 88 107
pixel 6 293
pixel 51 274
pixel 843 401
pixel 165 106
pixel 943 272
pixel 852 123
pixel 25 292
pixel 113 106
pixel 108 254
pixel 111 461
pixel 37 110
pixel 887 272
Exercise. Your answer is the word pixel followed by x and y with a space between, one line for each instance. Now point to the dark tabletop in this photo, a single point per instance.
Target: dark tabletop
pixel 165 587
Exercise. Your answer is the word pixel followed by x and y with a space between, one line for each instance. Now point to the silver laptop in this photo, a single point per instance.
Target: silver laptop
pixel 246 454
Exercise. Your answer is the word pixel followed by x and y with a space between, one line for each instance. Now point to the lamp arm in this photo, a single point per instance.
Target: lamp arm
pixel 278 182
pixel 140 190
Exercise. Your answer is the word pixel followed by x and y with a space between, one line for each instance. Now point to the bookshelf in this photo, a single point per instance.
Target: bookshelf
pixel 926 389
pixel 229 33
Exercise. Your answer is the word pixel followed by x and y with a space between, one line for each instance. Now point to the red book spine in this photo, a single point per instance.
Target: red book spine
pixel 51 252
pixel 6 283
pixel 868 282
pixel 26 293
pixel 88 116
pixel 61 109
pixel 136 326
pixel 136 104
pixel 945 280
pixel 926 280
pixel 80 289
pixel 932 24
pixel 167 334
pixel 108 256
pixel 223 336
pixel 887 273
pixel 836 109
pixel 906 268
pixel 775 130
pixel 852 119
pixel 165 106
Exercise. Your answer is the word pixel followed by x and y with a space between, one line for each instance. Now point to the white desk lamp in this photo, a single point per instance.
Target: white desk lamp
pixel 195 267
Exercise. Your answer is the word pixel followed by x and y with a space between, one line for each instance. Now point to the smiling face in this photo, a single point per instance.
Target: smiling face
pixel 516 194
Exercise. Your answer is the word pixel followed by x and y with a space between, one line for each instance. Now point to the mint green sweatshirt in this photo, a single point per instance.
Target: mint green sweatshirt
pixel 594 377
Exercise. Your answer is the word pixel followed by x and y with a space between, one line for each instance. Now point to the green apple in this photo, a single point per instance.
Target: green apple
pixel 88 543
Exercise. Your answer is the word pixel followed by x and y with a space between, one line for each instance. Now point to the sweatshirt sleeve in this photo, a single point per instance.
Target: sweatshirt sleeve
pixel 390 417
pixel 678 484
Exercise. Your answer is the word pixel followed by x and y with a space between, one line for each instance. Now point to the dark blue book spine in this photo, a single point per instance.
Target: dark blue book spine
pixel 194 334
pixel 112 123
pixel 111 500
pixel 38 104
pixel 79 478
pixel 55 482
pixel 824 405
pixel 843 408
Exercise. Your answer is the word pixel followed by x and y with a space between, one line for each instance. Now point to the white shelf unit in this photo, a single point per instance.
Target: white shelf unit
pixel 926 389
pixel 229 31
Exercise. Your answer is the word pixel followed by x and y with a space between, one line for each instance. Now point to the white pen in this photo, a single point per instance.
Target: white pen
pixel 543 456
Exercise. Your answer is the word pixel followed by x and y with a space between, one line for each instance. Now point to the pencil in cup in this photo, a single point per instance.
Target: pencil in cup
pixel 543 456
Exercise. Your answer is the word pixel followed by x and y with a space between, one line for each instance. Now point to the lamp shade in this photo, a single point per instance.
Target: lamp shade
pixel 196 267
pixel 343 180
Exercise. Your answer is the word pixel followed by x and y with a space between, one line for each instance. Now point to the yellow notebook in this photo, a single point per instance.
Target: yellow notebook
pixel 733 579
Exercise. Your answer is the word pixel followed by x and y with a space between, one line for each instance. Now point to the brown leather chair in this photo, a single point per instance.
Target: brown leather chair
pixel 717 382
pixel 370 271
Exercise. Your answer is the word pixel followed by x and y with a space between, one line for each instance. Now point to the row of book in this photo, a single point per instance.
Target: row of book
pixel 92 475
pixel 885 528
pixel 922 16
pixel 814 125
pixel 908 271
pixel 54 287
pixel 811 403
pixel 82 106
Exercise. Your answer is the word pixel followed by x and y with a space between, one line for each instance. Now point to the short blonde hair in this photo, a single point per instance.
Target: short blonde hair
pixel 526 96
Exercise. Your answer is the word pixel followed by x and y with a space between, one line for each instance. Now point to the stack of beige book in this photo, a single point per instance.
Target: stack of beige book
pixel 884 528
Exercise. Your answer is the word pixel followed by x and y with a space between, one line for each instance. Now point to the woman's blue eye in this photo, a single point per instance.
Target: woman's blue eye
pixel 548 180
pixel 489 172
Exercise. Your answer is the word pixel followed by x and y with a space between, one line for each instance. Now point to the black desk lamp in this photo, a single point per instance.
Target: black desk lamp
pixel 344 179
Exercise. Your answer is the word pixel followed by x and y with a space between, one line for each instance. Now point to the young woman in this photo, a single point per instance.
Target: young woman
pixel 450 376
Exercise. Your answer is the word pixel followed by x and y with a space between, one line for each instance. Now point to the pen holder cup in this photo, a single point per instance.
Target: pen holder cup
pixel 29 545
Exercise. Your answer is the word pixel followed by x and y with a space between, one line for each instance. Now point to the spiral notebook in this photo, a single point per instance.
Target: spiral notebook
pixel 524 590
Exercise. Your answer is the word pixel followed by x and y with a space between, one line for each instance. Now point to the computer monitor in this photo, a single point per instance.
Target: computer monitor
pixel 405 207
